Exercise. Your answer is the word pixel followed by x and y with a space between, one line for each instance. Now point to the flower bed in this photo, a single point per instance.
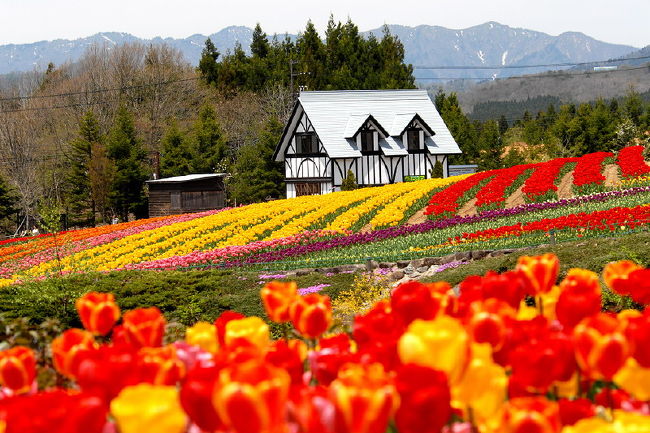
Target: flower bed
pixel 493 195
pixel 588 174
pixel 542 184
pixel 631 162
pixel 513 352
pixel 446 202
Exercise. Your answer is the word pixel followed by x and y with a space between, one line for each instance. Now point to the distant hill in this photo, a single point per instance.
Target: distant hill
pixel 486 44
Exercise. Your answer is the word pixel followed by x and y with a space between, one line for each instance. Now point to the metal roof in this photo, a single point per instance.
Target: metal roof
pixel 334 114
pixel 186 178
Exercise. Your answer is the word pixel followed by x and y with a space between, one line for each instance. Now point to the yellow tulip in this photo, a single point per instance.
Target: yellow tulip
pixel 623 422
pixel 442 344
pixel 148 408
pixel 204 335
pixel 251 329
pixel 634 379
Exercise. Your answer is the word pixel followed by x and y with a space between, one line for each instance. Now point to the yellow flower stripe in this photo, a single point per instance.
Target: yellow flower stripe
pixel 240 226
pixel 393 213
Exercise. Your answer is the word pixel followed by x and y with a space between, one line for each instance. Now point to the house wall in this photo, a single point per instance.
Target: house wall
pixel 186 197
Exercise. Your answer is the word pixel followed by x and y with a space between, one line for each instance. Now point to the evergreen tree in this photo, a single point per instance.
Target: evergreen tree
pixel 176 156
pixel 128 157
pixel 208 66
pixel 491 146
pixel 395 73
pixel 256 177
pixel 311 59
pixel 260 44
pixel 349 182
pixel 209 149
pixel 81 199
pixel 7 202
pixel 503 124
pixel 633 106
pixel 437 172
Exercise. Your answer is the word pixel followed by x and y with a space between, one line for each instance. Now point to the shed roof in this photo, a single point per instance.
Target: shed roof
pixel 334 114
pixel 187 178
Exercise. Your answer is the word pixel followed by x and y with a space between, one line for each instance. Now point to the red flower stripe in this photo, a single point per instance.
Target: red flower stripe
pixel 494 190
pixel 544 177
pixel 447 199
pixel 589 169
pixel 609 219
pixel 630 160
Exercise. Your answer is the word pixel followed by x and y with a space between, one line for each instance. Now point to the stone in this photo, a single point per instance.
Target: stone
pixel 409 269
pixel 403 263
pixel 447 259
pixel 397 275
pixel 462 255
pixel 306 271
pixel 417 263
pixel 478 254
pixel 371 264
pixel 422 269
pixel 496 253
pixel 430 261
pixel 385 265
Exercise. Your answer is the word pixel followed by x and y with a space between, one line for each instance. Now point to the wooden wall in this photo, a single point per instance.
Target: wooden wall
pixel 186 197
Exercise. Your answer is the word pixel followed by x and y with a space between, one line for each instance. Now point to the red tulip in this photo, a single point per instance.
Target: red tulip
pixel 616 274
pixel 424 399
pixel 600 346
pixel 277 298
pixel 98 312
pixel 290 356
pixel 107 370
pixel 17 368
pixel 580 297
pixel 414 300
pixel 311 315
pixel 221 322
pixel 572 411
pixel 145 327
pixel 69 349
pixel 160 365
pixel 331 355
pixel 196 398
pixel 637 332
pixel 538 273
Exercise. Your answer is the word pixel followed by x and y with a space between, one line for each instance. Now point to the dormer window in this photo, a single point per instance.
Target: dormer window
pixel 306 143
pixel 367 141
pixel 413 139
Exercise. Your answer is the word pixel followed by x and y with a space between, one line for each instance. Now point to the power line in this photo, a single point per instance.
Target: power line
pixel 528 77
pixel 99 90
pixel 547 65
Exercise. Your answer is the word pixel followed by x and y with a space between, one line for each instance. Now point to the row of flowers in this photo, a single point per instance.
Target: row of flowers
pixel 542 184
pixel 513 352
pixel 493 194
pixel 588 173
pixel 631 162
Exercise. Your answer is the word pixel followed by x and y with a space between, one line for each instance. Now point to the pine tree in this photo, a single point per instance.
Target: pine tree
pixel 81 200
pixel 491 146
pixel 260 44
pixel 311 58
pixel 176 156
pixel 437 172
pixel 209 149
pixel 208 66
pixel 256 177
pixel 126 152
pixel 7 202
pixel 349 182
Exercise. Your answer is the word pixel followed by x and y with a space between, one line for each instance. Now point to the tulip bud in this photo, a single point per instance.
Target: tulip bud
pixel 98 312
pixel 365 398
pixel 144 327
pixel 251 397
pixel 160 365
pixel 538 273
pixel 148 408
pixel 204 335
pixel 277 298
pixel 17 368
pixel 600 346
pixel 441 344
pixel 311 315
pixel 250 332
pixel 69 349
pixel 580 297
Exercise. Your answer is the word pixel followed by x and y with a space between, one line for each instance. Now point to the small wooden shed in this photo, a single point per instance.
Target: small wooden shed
pixel 186 194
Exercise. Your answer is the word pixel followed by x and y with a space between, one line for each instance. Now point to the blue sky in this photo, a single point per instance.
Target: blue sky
pixel 23 21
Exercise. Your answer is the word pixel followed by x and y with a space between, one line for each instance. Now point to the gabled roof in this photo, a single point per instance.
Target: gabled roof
pixel 356 121
pixel 334 114
pixel 186 178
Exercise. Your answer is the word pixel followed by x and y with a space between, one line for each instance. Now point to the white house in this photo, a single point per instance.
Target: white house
pixel 383 136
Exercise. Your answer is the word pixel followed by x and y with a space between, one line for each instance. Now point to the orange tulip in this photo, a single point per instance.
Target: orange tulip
pixel 580 297
pixel 145 327
pixel 160 365
pixel 278 298
pixel 250 336
pixel 17 368
pixel 69 348
pixel 365 398
pixel 538 273
pixel 488 321
pixel 98 312
pixel 311 315
pixel 600 346
pixel 527 415
pixel 251 397
pixel 616 273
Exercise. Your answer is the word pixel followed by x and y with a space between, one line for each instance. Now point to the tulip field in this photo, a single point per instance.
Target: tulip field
pixel 522 351
pixel 563 199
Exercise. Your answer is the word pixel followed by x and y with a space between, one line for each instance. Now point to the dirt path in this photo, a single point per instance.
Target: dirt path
pixel 611 175
pixel 564 190
pixel 468 208
pixel 417 218
pixel 516 198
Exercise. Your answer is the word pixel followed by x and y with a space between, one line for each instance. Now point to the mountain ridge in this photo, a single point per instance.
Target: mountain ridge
pixel 490 43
